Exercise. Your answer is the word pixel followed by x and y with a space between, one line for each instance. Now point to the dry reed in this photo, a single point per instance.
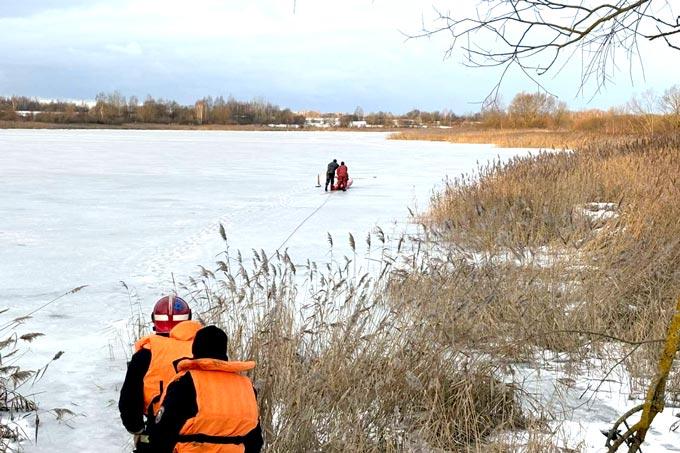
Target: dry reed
pixel 504 138
pixel 344 365
pixel 585 246
pixel 14 404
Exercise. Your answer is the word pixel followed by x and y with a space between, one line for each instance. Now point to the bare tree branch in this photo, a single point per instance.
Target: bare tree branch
pixel 533 35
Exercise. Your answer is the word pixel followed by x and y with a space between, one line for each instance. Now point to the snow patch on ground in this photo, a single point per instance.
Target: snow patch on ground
pixel 587 398
pixel 599 212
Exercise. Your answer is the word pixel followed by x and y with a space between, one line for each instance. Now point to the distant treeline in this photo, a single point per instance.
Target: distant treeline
pixel 526 110
pixel 647 111
pixel 116 109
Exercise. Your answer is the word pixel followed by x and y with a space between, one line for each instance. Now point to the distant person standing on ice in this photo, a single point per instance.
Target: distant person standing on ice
pixel 330 174
pixel 150 369
pixel 209 407
pixel 343 177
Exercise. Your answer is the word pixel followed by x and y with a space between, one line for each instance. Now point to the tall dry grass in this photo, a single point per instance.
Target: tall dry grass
pixel 585 247
pixel 578 131
pixel 352 359
pixel 504 138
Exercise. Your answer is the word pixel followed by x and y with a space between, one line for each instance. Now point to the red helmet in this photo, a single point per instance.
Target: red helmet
pixel 168 312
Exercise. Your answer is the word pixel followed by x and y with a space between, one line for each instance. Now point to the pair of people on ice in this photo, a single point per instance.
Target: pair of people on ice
pixel 343 176
pixel 181 381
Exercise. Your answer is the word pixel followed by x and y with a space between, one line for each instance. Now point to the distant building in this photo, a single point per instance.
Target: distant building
pixel 317 122
pixel 358 124
pixel 333 121
pixel 405 122
pixel 29 113
pixel 283 126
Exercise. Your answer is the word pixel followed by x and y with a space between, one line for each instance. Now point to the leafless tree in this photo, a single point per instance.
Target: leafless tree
pixel 539 35
pixel 644 108
pixel 670 101
pixel 534 109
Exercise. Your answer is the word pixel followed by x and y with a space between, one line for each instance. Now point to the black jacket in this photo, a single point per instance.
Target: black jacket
pixel 131 402
pixel 179 406
pixel 332 167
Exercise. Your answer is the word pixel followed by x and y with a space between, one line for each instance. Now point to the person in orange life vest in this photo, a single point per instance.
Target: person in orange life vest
pixel 343 177
pixel 151 369
pixel 209 407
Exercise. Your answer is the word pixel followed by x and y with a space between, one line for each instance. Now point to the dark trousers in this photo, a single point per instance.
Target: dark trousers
pixel 330 178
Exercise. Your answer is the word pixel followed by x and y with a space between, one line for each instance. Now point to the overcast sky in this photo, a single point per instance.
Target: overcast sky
pixel 308 54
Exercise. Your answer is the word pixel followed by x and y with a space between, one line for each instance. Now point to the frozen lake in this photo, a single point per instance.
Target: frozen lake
pixel 100 207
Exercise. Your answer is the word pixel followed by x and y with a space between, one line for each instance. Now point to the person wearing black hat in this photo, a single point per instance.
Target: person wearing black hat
pixel 209 406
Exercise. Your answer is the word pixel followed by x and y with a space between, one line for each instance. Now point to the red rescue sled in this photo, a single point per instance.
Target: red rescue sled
pixel 349 184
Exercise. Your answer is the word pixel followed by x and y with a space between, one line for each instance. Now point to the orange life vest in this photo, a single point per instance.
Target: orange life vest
pixel 227 407
pixel 164 351
pixel 342 171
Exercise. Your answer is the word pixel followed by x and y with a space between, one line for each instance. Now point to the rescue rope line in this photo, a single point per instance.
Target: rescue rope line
pixel 328 197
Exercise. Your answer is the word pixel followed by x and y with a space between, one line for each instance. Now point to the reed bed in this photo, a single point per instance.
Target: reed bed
pixel 575 131
pixel 352 359
pixel 504 138
pixel 585 244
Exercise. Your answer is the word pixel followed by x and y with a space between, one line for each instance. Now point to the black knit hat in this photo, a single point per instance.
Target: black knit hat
pixel 210 343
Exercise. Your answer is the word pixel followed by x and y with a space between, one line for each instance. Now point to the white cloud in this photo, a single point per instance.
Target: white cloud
pixel 131 48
